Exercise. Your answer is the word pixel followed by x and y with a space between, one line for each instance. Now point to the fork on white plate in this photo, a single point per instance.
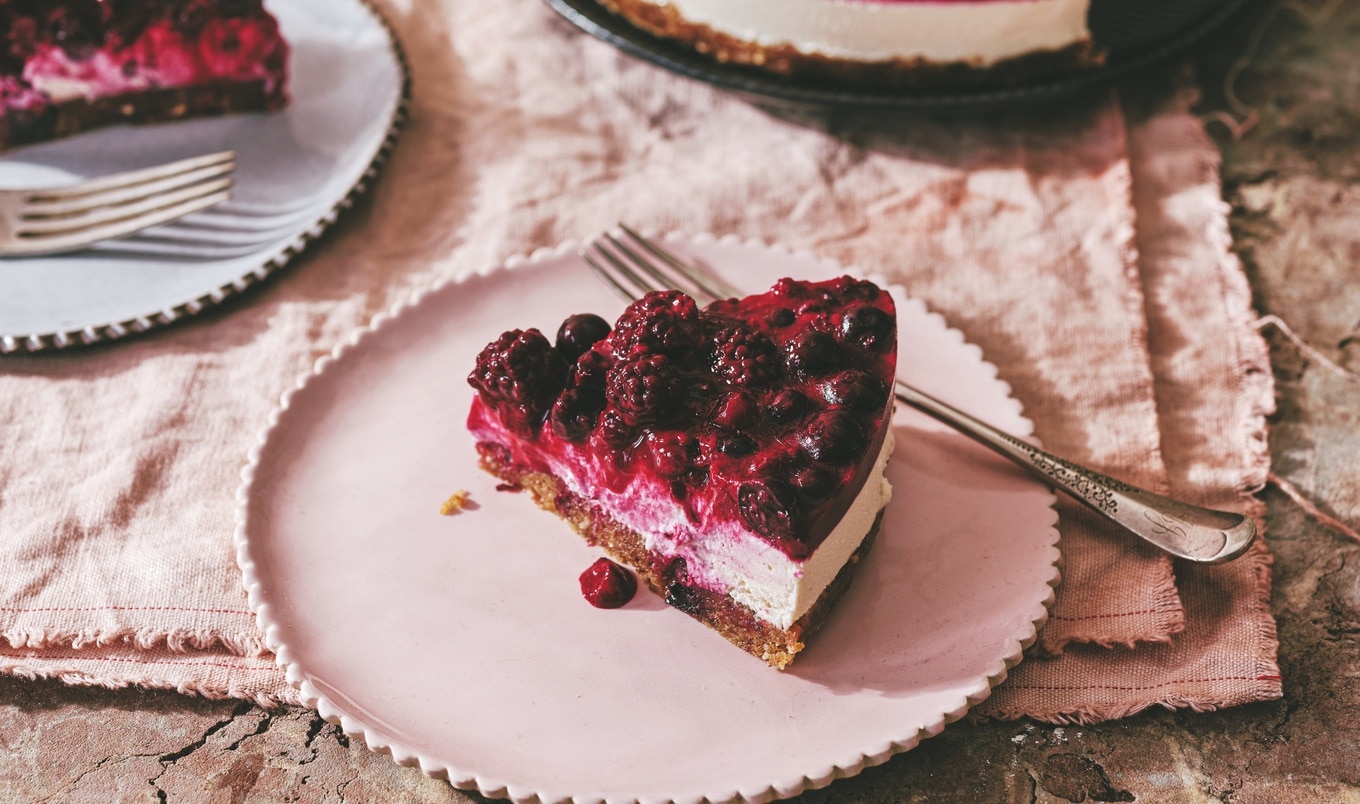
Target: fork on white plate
pixel 41 221
pixel 633 264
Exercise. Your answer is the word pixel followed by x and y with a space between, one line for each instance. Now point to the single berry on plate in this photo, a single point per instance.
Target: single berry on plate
pixel 580 332
pixel 607 585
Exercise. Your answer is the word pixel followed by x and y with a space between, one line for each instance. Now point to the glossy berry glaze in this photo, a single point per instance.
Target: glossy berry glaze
pixel 761 415
pixel 69 50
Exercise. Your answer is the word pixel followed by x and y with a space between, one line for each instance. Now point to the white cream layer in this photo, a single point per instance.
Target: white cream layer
pixel 729 558
pixel 978 33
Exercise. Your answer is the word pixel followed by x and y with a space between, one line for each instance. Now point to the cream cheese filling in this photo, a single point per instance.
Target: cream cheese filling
pixel 979 33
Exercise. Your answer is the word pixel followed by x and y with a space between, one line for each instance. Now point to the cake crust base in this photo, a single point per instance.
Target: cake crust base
pixel 664 21
pixel 67 118
pixel 776 646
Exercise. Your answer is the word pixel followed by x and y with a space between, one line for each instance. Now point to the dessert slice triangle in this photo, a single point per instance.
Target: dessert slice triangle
pixel 734 456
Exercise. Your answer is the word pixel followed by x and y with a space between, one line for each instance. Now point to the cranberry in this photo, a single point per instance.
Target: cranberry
pixel 814 483
pixel 662 321
pixel 580 332
pixel 735 411
pixel 786 406
pixel 811 353
pixel 607 585
pixel 519 374
pixel 855 390
pixel 768 507
pixel 868 326
pixel 833 437
pixel 744 357
pixel 646 390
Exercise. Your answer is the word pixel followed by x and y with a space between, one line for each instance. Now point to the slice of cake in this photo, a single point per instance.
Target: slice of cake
pixel 880 41
pixel 733 456
pixel 72 65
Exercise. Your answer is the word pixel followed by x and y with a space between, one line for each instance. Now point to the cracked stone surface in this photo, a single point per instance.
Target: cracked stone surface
pixel 1294 185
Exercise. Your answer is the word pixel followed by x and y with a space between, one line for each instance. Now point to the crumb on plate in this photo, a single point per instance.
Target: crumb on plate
pixel 456 502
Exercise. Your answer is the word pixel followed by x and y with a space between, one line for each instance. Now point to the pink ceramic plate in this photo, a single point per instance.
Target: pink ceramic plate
pixel 462 643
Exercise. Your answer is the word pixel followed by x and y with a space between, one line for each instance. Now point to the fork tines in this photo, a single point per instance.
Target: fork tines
pixel 65 218
pixel 635 264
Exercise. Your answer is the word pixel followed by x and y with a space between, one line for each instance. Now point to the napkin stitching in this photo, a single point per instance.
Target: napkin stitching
pixel 178 639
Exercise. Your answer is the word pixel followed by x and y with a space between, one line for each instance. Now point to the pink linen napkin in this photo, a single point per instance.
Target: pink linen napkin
pixel 120 463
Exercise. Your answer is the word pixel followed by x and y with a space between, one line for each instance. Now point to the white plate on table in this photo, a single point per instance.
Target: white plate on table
pixel 462 643
pixel 297 169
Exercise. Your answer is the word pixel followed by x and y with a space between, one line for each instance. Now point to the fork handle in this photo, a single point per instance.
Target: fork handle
pixel 1188 531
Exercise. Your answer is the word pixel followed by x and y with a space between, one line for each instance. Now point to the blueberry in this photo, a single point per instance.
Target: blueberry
pixel 580 332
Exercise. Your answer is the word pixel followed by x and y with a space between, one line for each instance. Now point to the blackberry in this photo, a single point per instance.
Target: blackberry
pixel 580 332
pixel 519 374
pixel 573 414
pixel 661 322
pixel 744 357
pixel 645 390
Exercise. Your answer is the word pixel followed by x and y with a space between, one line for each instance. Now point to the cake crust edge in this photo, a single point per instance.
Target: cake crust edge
pixel 776 646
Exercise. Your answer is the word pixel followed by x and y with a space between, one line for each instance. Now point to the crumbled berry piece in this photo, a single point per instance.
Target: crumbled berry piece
pixel 580 332
pixel 856 390
pixel 661 322
pixel 744 357
pixel 811 353
pixel 833 437
pixel 646 390
pixel 607 585
pixel 519 374
pixel 682 597
pixel 868 326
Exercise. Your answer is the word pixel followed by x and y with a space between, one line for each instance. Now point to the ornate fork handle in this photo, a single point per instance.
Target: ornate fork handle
pixel 1184 530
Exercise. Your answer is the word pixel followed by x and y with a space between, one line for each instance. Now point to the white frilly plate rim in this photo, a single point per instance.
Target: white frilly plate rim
pixel 282 257
pixel 470 779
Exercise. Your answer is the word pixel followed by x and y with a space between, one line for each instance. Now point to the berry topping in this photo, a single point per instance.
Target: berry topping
pixel 671 452
pixel 735 411
pixel 856 390
pixel 814 483
pixel 519 374
pixel 811 353
pixel 607 585
pixel 786 406
pixel 768 507
pixel 646 390
pixel 780 317
pixel 661 322
pixel 580 332
pixel 833 437
pixel 744 357
pixel 868 326
pixel 614 431
pixel 573 414
pixel 736 444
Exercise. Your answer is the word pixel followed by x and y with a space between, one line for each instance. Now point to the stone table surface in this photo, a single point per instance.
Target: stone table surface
pixel 1293 180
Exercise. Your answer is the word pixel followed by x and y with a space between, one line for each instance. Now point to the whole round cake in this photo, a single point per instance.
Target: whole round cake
pixel 890 41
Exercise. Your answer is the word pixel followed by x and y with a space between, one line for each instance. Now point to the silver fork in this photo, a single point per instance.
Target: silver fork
pixel 635 265
pixel 52 220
